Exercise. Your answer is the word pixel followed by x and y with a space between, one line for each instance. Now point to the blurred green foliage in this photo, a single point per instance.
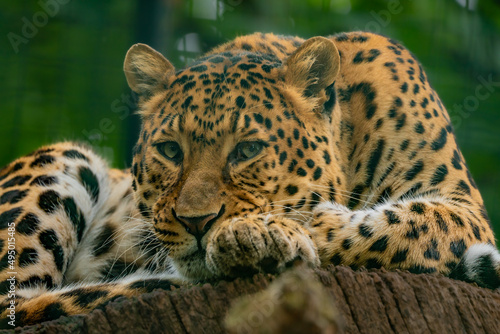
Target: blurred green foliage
pixel 65 81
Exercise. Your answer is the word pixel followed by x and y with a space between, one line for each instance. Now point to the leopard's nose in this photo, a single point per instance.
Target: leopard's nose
pixel 196 225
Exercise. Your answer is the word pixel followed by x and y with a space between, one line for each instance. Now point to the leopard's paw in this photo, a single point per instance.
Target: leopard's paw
pixel 247 245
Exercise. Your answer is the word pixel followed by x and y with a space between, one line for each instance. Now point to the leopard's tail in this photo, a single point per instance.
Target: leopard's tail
pixel 480 264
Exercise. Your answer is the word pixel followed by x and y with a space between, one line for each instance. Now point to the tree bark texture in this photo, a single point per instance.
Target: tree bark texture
pixel 333 300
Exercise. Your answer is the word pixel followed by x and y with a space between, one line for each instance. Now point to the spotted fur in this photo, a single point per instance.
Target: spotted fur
pixel 266 150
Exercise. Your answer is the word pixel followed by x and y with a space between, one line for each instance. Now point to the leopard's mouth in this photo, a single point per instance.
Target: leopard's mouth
pixel 197 255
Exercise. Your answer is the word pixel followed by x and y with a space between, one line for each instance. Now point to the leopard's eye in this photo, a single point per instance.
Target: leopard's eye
pixel 248 150
pixel 170 150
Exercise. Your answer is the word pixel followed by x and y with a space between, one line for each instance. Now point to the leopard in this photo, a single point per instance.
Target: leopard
pixel 266 151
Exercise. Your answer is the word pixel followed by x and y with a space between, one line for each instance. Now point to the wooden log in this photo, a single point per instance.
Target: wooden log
pixel 332 300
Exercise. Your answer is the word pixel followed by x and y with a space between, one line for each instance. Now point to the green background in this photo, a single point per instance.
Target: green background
pixel 63 80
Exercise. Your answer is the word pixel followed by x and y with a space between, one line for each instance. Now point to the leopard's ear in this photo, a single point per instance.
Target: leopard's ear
pixel 146 69
pixel 313 66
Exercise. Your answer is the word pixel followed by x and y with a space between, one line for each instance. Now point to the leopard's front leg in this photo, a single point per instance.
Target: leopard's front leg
pixel 258 243
pixel 421 235
pixel 36 304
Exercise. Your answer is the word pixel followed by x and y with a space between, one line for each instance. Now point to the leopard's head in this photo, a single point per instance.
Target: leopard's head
pixel 235 133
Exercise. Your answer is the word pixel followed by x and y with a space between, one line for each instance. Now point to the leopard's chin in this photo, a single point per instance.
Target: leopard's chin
pixel 194 266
